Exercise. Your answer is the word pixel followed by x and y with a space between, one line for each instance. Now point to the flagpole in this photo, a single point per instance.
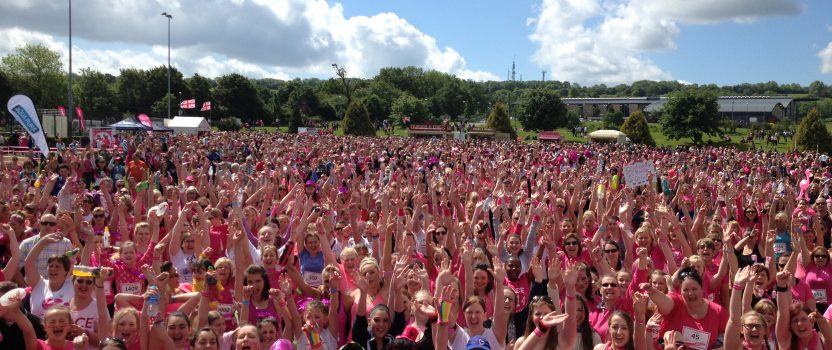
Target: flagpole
pixel 69 86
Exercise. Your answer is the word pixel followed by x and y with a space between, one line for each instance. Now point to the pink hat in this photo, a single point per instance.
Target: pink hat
pixel 282 344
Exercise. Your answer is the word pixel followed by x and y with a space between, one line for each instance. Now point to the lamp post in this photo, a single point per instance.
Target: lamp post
pixel 69 86
pixel 167 97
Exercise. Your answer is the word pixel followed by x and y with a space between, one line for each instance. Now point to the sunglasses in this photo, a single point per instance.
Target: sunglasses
pixel 545 298
pixel 87 282
pixel 781 266
pixel 608 251
pixel 98 216
pixel 609 285
pixel 441 233
pixel 48 223
pixel 820 256
pixel 705 247
pixel 571 243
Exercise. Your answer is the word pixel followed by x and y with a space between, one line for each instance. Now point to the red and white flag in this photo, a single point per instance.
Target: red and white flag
pixel 206 106
pixel 80 114
pixel 188 104
pixel 62 111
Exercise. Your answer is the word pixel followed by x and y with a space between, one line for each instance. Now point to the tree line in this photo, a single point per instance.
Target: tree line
pixel 393 94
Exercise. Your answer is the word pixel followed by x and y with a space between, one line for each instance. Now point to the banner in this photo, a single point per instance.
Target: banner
pixel 637 174
pixel 206 106
pixel 145 120
pixel 80 114
pixel 102 137
pixel 62 111
pixel 187 104
pixel 22 108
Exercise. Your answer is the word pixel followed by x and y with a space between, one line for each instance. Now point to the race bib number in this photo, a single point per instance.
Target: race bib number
pixel 820 295
pixel 695 338
pixel 225 309
pixel 313 279
pixel 779 248
pixel 131 288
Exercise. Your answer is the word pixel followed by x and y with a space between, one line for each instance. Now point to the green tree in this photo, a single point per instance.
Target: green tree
pixel 818 89
pixel 812 134
pixel 93 93
pixel 357 121
pixel 160 107
pixel 304 98
pixel 6 91
pixel 691 113
pixel 131 90
pixel 295 118
pixel 238 96
pixel 411 107
pixel 200 88
pixel 613 119
pixel 157 88
pixel 637 129
pixel 542 109
pixel 498 120
pixel 375 107
pixel 36 71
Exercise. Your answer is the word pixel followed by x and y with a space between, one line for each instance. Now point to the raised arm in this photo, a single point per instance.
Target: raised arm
pixel 784 300
pixel 734 327
pixel 500 324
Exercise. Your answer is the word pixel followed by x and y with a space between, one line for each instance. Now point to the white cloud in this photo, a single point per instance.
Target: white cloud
pixel 257 38
pixel 605 41
pixel 826 59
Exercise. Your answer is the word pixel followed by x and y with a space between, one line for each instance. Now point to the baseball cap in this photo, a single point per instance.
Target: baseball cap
pixel 478 342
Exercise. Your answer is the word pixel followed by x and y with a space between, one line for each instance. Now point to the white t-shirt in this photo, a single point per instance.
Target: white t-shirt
pixel 182 263
pixel 43 298
pixel 86 318
pixel 461 339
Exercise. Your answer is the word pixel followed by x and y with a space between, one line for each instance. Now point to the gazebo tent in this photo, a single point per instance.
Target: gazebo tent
pixel 129 124
pixel 160 127
pixel 188 125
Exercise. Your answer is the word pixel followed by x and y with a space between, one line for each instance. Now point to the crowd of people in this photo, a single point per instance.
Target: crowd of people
pixel 272 241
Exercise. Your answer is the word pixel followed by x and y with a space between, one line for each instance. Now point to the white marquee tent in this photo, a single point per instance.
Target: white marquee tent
pixel 188 125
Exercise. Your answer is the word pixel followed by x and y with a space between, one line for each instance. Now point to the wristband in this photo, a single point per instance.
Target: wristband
pixel 244 302
pixel 333 290
pixel 445 311
pixel 570 297
pixel 282 303
pixel 538 332
pixel 781 289
pixel 97 286
pixel 737 286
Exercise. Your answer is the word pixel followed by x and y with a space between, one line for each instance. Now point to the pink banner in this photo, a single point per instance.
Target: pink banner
pixel 144 119
pixel 80 114
pixel 62 111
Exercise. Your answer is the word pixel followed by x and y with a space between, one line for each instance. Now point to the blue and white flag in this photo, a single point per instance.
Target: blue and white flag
pixel 22 108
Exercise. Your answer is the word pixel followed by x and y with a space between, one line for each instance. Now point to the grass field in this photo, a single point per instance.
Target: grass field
pixel 655 130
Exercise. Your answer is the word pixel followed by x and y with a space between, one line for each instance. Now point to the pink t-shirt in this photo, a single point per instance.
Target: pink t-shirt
pixel 819 280
pixel 43 345
pixel 698 334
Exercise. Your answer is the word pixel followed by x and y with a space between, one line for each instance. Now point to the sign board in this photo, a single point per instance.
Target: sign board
pixel 304 130
pixel 636 174
pixel 102 137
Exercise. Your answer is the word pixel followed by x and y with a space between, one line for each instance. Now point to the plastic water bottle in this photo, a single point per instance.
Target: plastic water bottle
pixel 161 209
pixel 153 305
pixel 106 239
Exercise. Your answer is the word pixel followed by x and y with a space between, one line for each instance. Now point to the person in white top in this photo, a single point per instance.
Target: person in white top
pixel 56 288
pixel 89 315
pixel 188 237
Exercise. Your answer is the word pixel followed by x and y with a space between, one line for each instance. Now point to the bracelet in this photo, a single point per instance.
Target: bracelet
pixel 570 297
pixel 444 311
pixel 540 330
pixel 737 286
pixel 282 303
pixel 781 289
pixel 97 286
pixel 333 290
pixel 244 302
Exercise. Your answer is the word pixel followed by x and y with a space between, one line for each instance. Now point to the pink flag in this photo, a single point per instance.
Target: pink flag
pixel 206 106
pixel 62 111
pixel 144 119
pixel 80 114
pixel 187 104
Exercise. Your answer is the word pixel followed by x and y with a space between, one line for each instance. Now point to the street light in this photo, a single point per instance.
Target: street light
pixel 167 97
pixel 69 87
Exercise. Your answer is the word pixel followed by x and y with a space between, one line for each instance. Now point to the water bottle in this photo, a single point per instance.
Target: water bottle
pixel 106 239
pixel 602 189
pixel 82 271
pixel 153 305
pixel 486 206
pixel 161 209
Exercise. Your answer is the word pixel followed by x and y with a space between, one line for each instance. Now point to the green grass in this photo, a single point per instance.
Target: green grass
pixel 655 130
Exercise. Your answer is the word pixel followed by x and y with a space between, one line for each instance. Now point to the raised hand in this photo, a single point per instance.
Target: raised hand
pixel 80 342
pixel 554 270
pixel 499 271
pixel 537 269
pixel 570 277
pixel 640 303
pixel 552 319
pixel 742 275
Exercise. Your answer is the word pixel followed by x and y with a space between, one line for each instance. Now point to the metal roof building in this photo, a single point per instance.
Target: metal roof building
pixel 738 108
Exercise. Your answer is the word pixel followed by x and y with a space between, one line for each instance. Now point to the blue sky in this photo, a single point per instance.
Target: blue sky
pixel 583 41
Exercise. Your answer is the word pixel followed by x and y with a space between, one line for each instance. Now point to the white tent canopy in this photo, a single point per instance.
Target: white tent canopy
pixel 188 125
pixel 608 136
